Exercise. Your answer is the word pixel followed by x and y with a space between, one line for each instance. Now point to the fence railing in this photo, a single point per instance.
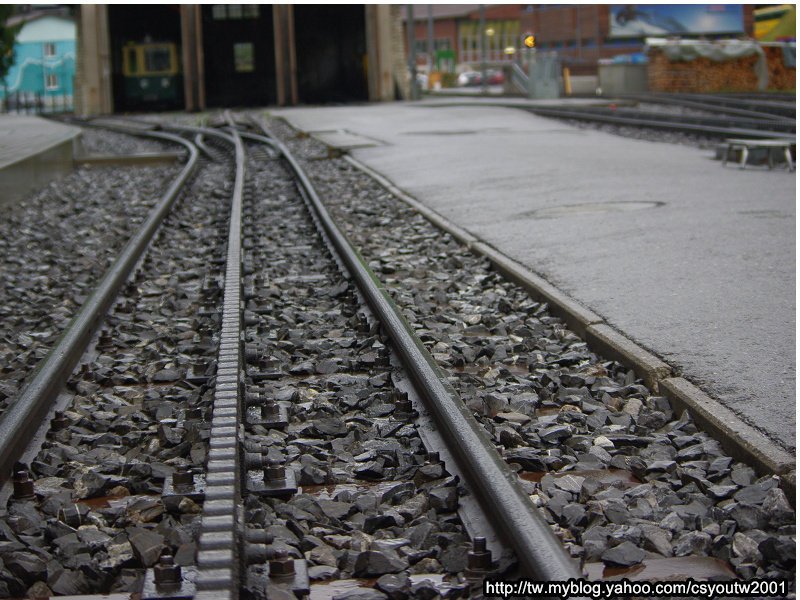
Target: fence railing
pixel 35 103
pixel 519 78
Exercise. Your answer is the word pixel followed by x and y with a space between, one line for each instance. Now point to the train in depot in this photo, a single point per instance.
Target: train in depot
pixel 152 74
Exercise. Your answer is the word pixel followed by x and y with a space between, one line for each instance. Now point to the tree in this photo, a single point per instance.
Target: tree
pixel 8 34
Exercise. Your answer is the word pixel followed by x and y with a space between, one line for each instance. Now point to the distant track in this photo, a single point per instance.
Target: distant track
pixel 710 126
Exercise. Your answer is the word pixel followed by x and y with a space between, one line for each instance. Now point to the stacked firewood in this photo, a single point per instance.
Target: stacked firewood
pixel 703 75
pixel 781 77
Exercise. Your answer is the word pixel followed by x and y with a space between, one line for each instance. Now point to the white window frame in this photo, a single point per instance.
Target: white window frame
pixel 49 49
pixel 51 81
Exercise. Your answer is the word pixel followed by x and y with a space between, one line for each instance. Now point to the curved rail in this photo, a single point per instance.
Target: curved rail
pixel 538 551
pixel 21 421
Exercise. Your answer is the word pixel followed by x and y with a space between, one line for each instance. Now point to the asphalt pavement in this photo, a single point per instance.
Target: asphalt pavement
pixel 692 260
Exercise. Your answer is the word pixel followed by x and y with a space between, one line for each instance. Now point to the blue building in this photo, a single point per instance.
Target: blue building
pixel 44 60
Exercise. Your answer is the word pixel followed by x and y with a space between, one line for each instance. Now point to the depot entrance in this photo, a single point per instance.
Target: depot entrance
pixel 239 55
pixel 331 50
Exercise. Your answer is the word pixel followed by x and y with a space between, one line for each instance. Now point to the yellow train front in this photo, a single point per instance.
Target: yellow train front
pixel 151 72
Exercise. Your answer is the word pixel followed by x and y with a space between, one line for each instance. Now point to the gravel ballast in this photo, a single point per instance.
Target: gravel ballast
pixel 135 415
pixel 607 461
pixel 371 502
pixel 54 246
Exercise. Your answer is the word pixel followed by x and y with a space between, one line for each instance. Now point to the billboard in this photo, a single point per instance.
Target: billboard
pixel 638 20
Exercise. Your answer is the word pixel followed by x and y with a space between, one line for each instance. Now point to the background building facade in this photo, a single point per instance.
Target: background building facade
pixel 581 34
pixel 44 60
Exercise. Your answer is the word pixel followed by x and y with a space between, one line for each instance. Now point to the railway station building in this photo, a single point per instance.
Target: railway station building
pixel 193 57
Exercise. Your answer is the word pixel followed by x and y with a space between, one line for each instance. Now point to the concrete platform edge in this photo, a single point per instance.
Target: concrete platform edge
pixel 578 317
pixel 33 171
pixel 741 440
pixel 744 442
pixel 613 344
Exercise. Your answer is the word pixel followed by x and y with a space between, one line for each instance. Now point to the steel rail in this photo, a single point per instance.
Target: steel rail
pixel 786 126
pixel 689 102
pixel 22 420
pixel 219 548
pixel 656 124
pixel 538 551
pixel 764 106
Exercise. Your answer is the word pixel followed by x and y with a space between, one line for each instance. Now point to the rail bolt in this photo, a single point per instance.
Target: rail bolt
pixel 433 458
pixel 105 338
pixel 252 355
pixel 282 565
pixel 71 515
pixel 23 485
pixel 193 414
pixel 401 402
pixel 259 536
pixel 479 558
pixel 274 471
pixel 269 409
pixel 182 476
pixel 59 421
pixel 166 572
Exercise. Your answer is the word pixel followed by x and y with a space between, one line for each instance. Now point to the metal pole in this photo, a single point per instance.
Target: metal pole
pixel 430 39
pixel 597 32
pixel 412 52
pixel 482 34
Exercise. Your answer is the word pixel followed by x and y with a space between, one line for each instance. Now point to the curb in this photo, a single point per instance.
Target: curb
pixel 744 442
pixel 576 316
pixel 614 345
pixel 741 440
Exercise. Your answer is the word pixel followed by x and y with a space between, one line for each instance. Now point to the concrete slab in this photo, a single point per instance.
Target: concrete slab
pixel 32 152
pixel 343 140
pixel 692 261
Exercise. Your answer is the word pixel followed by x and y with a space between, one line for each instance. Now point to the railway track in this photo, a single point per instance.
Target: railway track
pixel 729 126
pixel 773 108
pixel 272 418
pixel 223 536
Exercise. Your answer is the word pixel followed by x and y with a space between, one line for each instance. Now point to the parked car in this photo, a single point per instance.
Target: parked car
pixel 469 78
pixel 494 77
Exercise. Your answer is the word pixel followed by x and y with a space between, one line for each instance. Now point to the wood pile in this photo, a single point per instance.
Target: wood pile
pixel 781 77
pixel 703 75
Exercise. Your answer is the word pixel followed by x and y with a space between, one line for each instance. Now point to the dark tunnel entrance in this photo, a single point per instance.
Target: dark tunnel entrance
pixel 239 55
pixel 145 44
pixel 331 50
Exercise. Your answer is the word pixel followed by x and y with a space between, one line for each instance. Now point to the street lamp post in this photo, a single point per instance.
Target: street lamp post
pixel 430 40
pixel 482 33
pixel 412 51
